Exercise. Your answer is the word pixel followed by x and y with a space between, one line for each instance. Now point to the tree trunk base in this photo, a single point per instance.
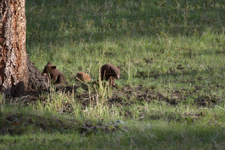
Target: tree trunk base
pixel 36 81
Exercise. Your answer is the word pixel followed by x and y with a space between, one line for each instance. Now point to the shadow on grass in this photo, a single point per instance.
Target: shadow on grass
pixel 95 21
pixel 156 137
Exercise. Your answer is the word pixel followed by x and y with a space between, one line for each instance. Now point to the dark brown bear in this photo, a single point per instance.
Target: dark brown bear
pixel 56 76
pixel 110 72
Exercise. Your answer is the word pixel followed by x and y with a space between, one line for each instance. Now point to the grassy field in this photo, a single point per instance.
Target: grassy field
pixel 171 91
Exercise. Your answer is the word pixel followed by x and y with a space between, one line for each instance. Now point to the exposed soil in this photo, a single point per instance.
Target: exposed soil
pixel 118 97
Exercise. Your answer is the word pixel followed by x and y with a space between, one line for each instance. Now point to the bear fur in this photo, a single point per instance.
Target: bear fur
pixel 112 81
pixel 110 73
pixel 56 76
pixel 83 77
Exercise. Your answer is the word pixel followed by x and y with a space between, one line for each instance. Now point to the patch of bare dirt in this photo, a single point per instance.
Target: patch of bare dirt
pixel 124 96
pixel 208 100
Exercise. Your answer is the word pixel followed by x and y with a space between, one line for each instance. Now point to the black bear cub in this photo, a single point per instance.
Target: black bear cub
pixel 56 76
pixel 110 73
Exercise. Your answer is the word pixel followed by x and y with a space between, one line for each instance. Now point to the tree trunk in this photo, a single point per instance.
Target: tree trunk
pixel 13 57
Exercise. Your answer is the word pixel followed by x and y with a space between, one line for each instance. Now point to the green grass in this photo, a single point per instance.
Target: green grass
pixel 178 127
pixel 203 139
pixel 174 49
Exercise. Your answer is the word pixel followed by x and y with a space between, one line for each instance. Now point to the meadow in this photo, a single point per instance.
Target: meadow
pixel 171 91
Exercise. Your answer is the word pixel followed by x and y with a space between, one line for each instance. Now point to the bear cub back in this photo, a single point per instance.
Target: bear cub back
pixel 83 77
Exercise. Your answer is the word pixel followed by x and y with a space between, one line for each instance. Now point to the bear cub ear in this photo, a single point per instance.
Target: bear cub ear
pixel 53 67
pixel 118 67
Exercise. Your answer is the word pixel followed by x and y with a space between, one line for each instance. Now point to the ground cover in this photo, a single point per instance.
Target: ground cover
pixel 171 91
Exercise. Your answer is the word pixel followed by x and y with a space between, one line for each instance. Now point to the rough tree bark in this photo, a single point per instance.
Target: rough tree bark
pixel 15 68
pixel 13 57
